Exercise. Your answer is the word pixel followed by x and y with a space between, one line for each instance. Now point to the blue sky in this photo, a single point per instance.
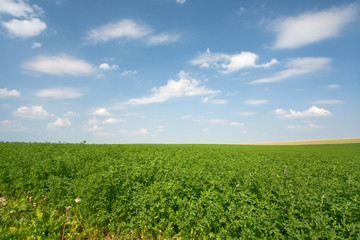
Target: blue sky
pixel 179 71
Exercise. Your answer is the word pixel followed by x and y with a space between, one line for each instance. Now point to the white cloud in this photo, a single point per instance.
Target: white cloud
pixel 113 120
pixel 181 1
pixel 297 66
pixel 141 131
pixel 59 122
pixel 36 45
pixel 25 28
pixel 214 101
pixel 107 67
pixel 333 86
pixel 227 63
pixel 186 117
pixel 246 113
pixel 18 8
pixel 206 131
pixel 162 38
pixel 70 114
pixel 125 73
pixel 328 102
pixel 184 86
pixel 244 132
pixel 237 124
pixel 160 129
pixel 123 29
pixel 31 112
pixel 311 112
pixel 94 128
pixel 59 65
pixel 256 101
pixel 59 93
pixel 311 27
pixel 4 93
pixel 93 121
pixel 216 120
pixel 101 112
pixel 12 126
pixel 305 126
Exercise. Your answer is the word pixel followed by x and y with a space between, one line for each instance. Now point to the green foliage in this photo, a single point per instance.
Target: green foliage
pixel 179 191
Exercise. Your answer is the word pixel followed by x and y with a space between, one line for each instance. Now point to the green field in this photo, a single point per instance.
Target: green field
pixel 179 191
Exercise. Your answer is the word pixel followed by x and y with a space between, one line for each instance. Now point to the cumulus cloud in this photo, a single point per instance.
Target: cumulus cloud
pixel 59 122
pixel 4 93
pixel 141 131
pixel 311 112
pixel 107 67
pixel 256 101
pixel 162 38
pixel 59 65
pixel 183 86
pixel 311 27
pixel 328 102
pixel 15 8
pixel 33 112
pixel 227 63
pixel 25 28
pixel 59 93
pixel 113 120
pixel 296 67
pixel 123 29
pixel 101 112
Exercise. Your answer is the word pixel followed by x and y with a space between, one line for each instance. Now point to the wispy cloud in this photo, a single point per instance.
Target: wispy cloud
pixel 128 29
pixel 305 126
pixel 311 27
pixel 123 29
pixel 62 64
pixel 246 113
pixel 19 8
pixel 181 1
pixel 214 100
pixel 328 102
pixel 12 126
pixel 311 112
pixel 32 112
pixel 59 93
pixel 256 101
pixel 36 45
pixel 229 63
pixel 296 67
pixel 163 38
pixel 184 85
pixel 333 86
pixel 4 93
